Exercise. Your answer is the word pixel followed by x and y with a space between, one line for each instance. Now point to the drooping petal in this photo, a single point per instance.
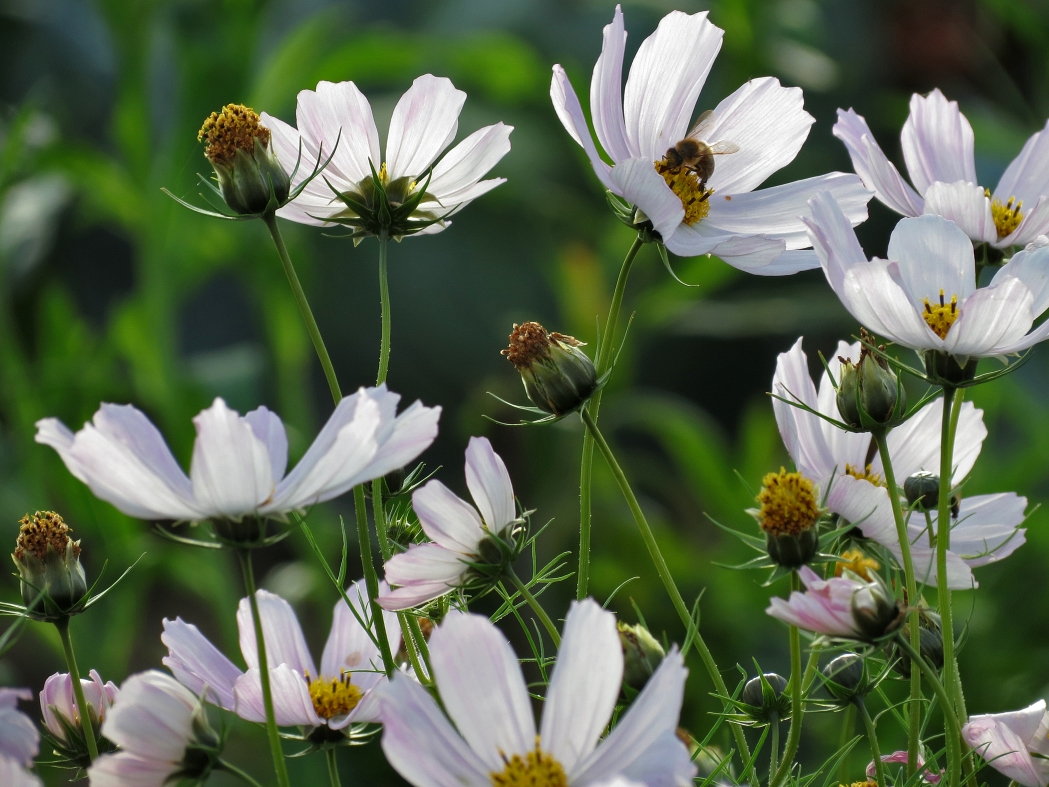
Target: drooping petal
pixel 268 427
pixel 197 664
pixel 124 769
pixel 292 705
pixel 924 559
pixel 1002 739
pixel 966 205
pixel 824 608
pixel 285 643
pixel 801 431
pixel 1031 266
pixel 872 165
pixel 585 684
pixel 750 253
pixel 401 438
pixel 1027 176
pixel 987 528
pixel 874 295
pixel 606 92
pixel 421 743
pixel 566 105
pixel 152 717
pixel 768 123
pixel 424 123
pixel 935 256
pixel 665 78
pixel 637 181
pixel 937 142
pixel 231 469
pixel 446 519
pixel 482 688
pixel 468 162
pixel 424 564
pixel 914 445
pixel 337 117
pixel 833 239
pixel 489 484
pixel 413 594
pixel 991 318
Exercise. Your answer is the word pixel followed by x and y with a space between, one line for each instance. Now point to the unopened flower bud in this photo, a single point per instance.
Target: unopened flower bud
pixel 558 377
pixel 48 562
pixel 239 147
pixel 61 716
pixel 788 516
pixel 874 610
pixel 846 677
pixel 931 638
pixel 764 699
pixel 642 654
pixel 923 490
pixel 869 394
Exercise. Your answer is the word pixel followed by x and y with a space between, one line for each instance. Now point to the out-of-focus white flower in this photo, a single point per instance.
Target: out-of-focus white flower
pixel 154 720
pixel 19 739
pixel 762 124
pixel 457 530
pixel 494 740
pixel 337 117
pixel 12 774
pixel 59 709
pixel 239 462
pixel 340 693
pixel 987 527
pixel 1014 743
pixel 938 150
pixel 844 607
pixel 925 295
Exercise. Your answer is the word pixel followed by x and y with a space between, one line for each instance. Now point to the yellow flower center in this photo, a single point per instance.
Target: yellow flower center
pixel 788 503
pixel 234 128
pixel 858 563
pixel 685 183
pixel 1007 216
pixel 941 317
pixel 865 474
pixel 334 696
pixel 536 769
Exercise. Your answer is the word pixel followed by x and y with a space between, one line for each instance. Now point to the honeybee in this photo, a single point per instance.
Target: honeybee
pixel 695 155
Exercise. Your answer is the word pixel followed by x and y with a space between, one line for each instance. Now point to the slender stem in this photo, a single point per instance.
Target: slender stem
pixel 264 670
pixel 304 308
pixel 914 721
pixel 537 608
pixel 665 575
pixel 872 736
pixel 797 688
pixel 420 639
pixel 425 676
pixel 78 690
pixel 951 397
pixel 333 768
pixel 774 751
pixel 604 359
pixel 230 768
pixel 952 731
pixel 384 299
pixel 371 579
pixel 847 727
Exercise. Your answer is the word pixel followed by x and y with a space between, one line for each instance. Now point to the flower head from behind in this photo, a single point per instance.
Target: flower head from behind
pixel 62 717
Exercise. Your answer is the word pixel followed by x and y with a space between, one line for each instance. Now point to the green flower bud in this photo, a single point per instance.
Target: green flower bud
pixel 764 699
pixel 846 677
pixel 250 177
pixel 869 394
pixel 944 369
pixel 874 609
pixel 923 490
pixel 558 377
pixel 48 562
pixel 788 516
pixel 931 639
pixel 642 654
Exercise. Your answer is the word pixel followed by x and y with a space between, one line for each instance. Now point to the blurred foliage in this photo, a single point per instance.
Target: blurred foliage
pixel 111 292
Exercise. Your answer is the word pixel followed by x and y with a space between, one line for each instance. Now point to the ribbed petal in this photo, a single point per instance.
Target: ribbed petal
pixel 914 445
pixel 424 123
pixel 468 162
pixel 824 608
pixel 349 648
pixel 152 717
pixel 750 253
pixel 292 705
pixel 872 165
pixel 570 112
pixel 606 92
pixel 991 318
pixel 123 769
pixel 446 519
pixel 935 256
pixel 197 664
pixel 1031 266
pixel 637 181
pixel 413 594
pixel 1027 176
pixel 874 295
pixel 665 79
pixel 489 484
pixel 924 559
pixel 864 505
pixel 937 142
pixel 1035 223
pixel 482 688
pixel 987 528
pixel 268 427
pixel 801 432
pixel 338 117
pixel 1003 740
pixel 231 470
pixel 285 643
pixel 833 239
pixel 768 123
pixel 585 684
pixel 966 205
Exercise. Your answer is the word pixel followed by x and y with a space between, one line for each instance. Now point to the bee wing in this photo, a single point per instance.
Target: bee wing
pixel 702 122
pixel 723 148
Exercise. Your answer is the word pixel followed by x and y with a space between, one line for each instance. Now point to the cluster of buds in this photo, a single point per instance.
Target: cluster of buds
pixel 870 394
pixel 53 582
pixel 558 377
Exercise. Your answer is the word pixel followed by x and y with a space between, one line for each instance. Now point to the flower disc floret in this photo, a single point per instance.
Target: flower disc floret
pixel 535 769
pixel 334 696
pixel 940 317
pixel 235 127
pixel 686 184
pixel 788 503
pixel 858 563
pixel 42 530
pixel 865 474
pixel 1007 215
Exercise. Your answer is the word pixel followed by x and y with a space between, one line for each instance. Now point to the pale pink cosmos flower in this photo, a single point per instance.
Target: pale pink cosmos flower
pixel 844 607
pixel 929 776
pixel 1015 744
pixel 58 702
pixel 490 729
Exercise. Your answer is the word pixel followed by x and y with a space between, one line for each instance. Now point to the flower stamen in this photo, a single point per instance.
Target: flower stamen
pixel 788 503
pixel 858 563
pixel 941 317
pixel 42 530
pixel 333 696
pixel 535 769
pixel 865 474
pixel 695 199
pixel 1007 216
pixel 235 128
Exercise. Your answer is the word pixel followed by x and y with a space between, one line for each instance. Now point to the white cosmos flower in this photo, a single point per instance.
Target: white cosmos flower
pixel 425 121
pixel 494 733
pixel 937 143
pixel 456 529
pixel 987 527
pixel 19 738
pixel 239 462
pixel 340 693
pixel 1015 744
pixel 756 231
pixel 12 774
pixel 925 296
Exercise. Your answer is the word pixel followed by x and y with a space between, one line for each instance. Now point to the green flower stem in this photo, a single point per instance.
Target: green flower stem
pixel 420 639
pixel 425 676
pixel 384 299
pixel 279 765
pixel 333 768
pixel 371 579
pixel 78 690
pixel 774 751
pixel 914 721
pixel 952 731
pixel 232 769
pixel 668 580
pixel 304 308
pixel 952 401
pixel 872 736
pixel 604 360
pixel 537 608
pixel 797 691
pixel 847 727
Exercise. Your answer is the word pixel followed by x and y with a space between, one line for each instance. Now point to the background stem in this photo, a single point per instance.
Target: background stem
pixel 78 690
pixel 872 736
pixel 333 768
pixel 952 730
pixel 797 688
pixel 537 608
pixel 371 579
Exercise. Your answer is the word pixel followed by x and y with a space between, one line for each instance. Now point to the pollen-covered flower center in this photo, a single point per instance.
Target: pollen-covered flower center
pixel 536 769
pixel 941 316
pixel 788 503
pixel 1007 216
pixel 235 128
pixel 687 185
pixel 333 696
pixel 42 530
pixel 858 563
pixel 865 474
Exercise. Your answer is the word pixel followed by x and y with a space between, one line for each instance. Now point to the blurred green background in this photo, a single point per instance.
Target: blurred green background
pixel 112 292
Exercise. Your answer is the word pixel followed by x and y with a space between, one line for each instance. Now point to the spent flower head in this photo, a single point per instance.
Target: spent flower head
pixel 558 377
pixel 53 582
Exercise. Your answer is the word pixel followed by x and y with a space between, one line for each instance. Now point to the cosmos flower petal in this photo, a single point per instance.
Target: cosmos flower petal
pixel 197 664
pixel 19 738
pixel 637 181
pixel 401 438
pixel 993 317
pixel 833 239
pixel 124 769
pixel 468 162
pixel 937 142
pixel 1027 176
pixel 987 528
pixel 292 704
pixel 750 253
pixel 872 165
pixel 268 428
pixel 446 519
pixel 801 431
pixel 285 643
pixel 914 445
pixel 668 72
pixel 412 594
pixel 231 470
pixel 1034 224
pixel 935 256
pixel 924 559
pixel 337 117
pixel 1031 266
pixel 824 608
pixel 152 717
pixel 866 506
pixel 875 296
pixel 1004 741
pixel 482 688
pixel 585 684
pixel 422 744
pixel 349 648
pixel 966 205
pixel 489 484
pixel 424 123
pixel 566 105
pixel 606 91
